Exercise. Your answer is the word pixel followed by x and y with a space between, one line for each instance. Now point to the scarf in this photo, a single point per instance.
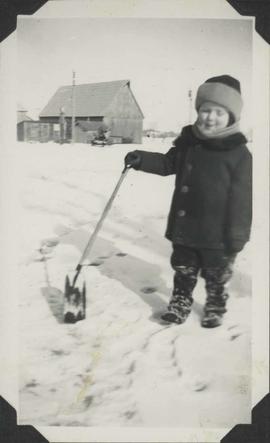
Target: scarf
pixel 229 130
pixel 191 135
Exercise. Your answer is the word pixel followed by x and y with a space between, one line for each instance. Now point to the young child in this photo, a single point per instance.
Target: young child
pixel 210 215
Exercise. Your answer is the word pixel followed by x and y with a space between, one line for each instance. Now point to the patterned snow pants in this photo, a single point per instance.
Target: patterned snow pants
pixel 215 267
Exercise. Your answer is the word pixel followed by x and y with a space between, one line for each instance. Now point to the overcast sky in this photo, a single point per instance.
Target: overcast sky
pixel 163 59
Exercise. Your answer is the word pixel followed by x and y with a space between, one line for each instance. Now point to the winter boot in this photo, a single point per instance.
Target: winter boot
pixel 215 306
pixel 212 319
pixel 179 308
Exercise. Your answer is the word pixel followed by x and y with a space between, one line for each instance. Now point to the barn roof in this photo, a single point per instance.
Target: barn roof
pixel 91 99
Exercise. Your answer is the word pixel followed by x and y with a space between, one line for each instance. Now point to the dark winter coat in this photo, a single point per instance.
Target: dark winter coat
pixel 211 204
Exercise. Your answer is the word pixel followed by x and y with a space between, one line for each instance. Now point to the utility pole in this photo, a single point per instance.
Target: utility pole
pixel 73 109
pixel 63 125
pixel 190 105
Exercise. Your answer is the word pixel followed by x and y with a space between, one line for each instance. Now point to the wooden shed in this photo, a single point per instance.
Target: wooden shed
pixel 111 103
pixel 36 131
pixel 29 130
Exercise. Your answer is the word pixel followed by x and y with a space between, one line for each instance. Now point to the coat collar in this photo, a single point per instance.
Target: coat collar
pixel 224 144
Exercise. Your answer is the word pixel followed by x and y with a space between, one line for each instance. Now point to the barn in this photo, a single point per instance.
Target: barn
pixel 107 103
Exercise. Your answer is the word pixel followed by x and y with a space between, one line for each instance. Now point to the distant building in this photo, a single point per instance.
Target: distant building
pixel 108 103
pixel 29 130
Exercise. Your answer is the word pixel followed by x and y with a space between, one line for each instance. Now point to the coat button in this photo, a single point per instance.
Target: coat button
pixel 189 166
pixel 184 189
pixel 181 213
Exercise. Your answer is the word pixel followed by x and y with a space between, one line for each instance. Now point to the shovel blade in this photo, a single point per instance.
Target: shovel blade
pixel 74 302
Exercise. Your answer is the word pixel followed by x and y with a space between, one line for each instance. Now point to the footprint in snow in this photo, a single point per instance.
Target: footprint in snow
pixel 31 384
pixel 50 242
pixel 59 352
pixel 232 327
pixel 42 258
pixel 148 289
pixel 198 385
pixel 236 335
pixel 100 259
pixel 234 332
pixel 96 263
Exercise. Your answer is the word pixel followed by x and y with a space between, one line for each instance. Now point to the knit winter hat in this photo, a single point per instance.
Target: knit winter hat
pixel 223 90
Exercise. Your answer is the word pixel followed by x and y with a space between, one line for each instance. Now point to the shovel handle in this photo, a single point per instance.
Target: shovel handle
pixel 101 220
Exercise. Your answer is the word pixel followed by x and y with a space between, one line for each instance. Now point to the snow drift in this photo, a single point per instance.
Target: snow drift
pixel 120 366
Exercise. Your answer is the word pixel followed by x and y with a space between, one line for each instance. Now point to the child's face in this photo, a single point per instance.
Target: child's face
pixel 212 118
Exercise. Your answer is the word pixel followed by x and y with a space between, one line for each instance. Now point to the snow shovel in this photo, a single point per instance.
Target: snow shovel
pixel 74 297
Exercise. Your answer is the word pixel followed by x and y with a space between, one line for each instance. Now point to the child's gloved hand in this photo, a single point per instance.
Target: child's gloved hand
pixel 133 159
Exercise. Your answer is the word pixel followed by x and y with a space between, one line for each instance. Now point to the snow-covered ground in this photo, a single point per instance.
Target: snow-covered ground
pixel 120 366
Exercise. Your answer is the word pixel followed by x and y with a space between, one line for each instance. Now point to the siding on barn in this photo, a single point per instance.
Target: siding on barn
pixel 80 135
pixel 86 131
pixel 124 105
pixel 56 120
pixel 129 130
pixel 124 116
